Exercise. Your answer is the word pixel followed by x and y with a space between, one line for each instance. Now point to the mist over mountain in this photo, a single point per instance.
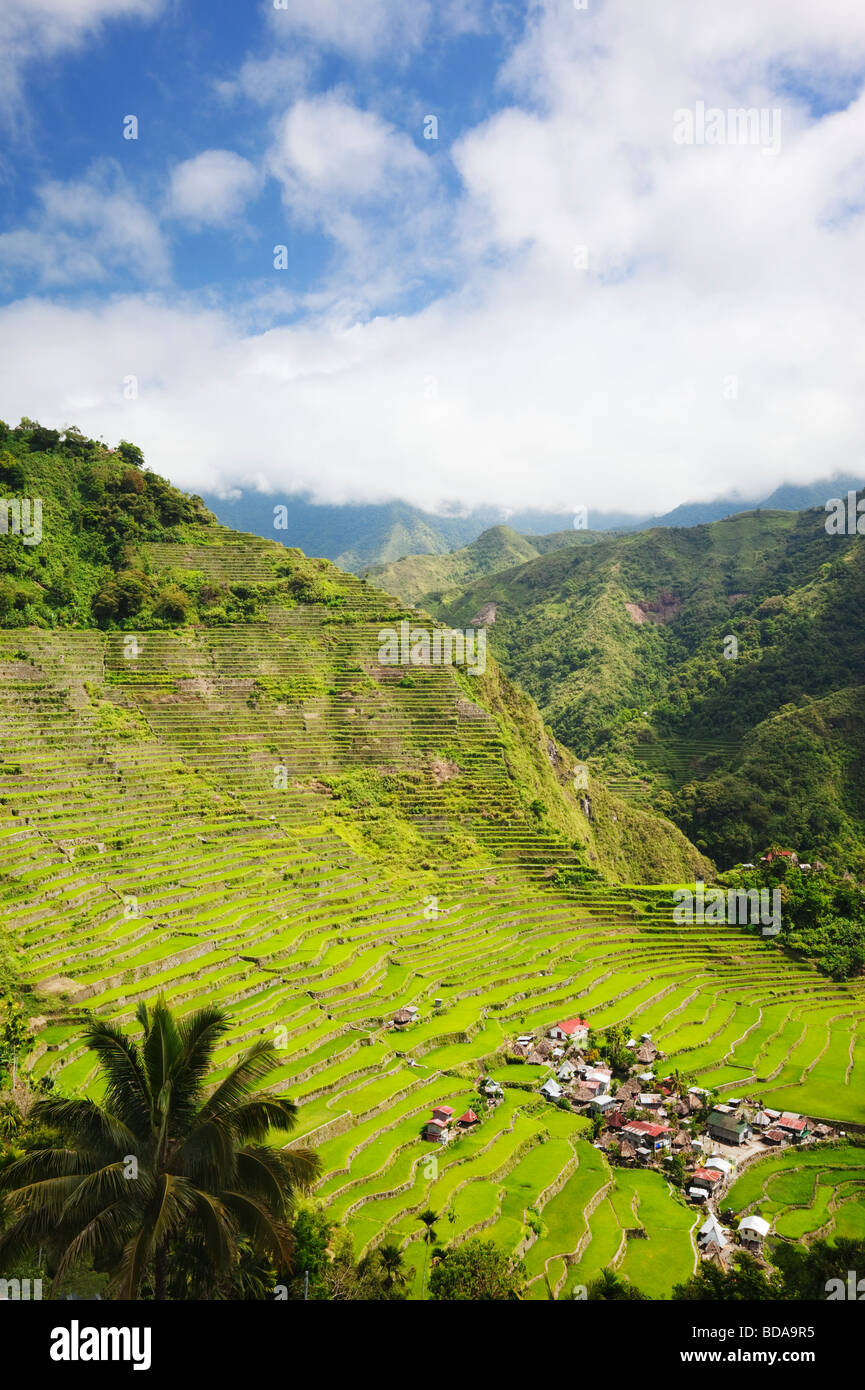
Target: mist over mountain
pixel 356 536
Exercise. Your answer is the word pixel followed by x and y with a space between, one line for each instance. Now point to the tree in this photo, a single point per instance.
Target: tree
pixel 805 1272
pixel 746 1280
pixel 162 1173
pixel 388 1268
pixel 609 1287
pixel 311 1233
pixel 172 604
pixel 476 1271
pixel 429 1218
pixel 15 1039
pixel 677 1170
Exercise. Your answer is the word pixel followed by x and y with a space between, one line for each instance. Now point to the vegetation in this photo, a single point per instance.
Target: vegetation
pixel 474 1272
pixel 161 1185
pixel 802 1273
pixel 239 802
pixel 740 746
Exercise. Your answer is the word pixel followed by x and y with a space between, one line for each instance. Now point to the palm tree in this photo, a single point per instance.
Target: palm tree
pixel 429 1218
pixel 162 1170
pixel 394 1274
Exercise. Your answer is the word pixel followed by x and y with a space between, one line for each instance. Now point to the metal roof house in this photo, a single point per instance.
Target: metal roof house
pixel 753 1230
pixel 727 1127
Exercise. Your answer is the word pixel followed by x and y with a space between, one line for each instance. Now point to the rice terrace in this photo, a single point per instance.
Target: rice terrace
pixel 432 679
pixel 386 873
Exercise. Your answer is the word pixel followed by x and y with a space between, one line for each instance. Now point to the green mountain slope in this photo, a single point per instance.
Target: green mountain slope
pixel 236 800
pixel 623 647
pixel 436 579
pixel 123 551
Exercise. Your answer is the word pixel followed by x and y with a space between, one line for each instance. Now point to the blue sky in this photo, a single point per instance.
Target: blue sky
pixel 557 302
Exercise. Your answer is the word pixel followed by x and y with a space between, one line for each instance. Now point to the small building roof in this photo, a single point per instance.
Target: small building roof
pixel 722 1164
pixel 581 1095
pixel 552 1088
pixel 649 1128
pixel 571 1026
pixel 712 1229
pixel 710 1175
pixel 774 1134
pixel 757 1224
pixel 469 1118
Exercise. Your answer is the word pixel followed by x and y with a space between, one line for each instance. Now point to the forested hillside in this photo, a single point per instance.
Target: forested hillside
pixel 717 668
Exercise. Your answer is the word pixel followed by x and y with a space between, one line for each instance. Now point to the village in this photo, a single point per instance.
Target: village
pixel 641 1116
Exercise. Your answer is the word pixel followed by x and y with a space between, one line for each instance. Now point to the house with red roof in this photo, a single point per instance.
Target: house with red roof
pixel 795 1125
pixel 437 1131
pixel 707 1178
pixel 649 1132
pixel 443 1112
pixel 467 1120
pixel 574 1030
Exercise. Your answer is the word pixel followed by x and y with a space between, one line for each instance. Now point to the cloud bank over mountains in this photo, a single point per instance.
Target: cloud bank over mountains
pixel 555 304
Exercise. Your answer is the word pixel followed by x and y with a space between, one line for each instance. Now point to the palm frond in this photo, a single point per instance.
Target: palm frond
pixel 127 1092
pixel 247 1074
pixel 255 1118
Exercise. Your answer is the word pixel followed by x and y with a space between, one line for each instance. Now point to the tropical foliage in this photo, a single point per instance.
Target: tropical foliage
pixel 167 1184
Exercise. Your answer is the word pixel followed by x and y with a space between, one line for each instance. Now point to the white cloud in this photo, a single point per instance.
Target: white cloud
pixel 36 30
pixel 213 187
pixel 361 28
pixel 86 231
pixel 712 342
pixel 273 80
pixel 328 150
pixel 366 185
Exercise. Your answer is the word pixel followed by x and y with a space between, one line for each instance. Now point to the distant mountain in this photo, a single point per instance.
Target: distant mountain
pixel 432 580
pixel 358 536
pixel 718 670
pixel 789 497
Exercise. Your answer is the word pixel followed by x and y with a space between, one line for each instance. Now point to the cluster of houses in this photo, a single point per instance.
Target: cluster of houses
pixel 441 1128
pixel 645 1120
pixel 716 1243
pixel 649 1120
pixel 789 856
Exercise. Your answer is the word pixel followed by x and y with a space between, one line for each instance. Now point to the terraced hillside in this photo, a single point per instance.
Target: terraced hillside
pixel 716 672
pixel 259 813
pixel 818 1193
